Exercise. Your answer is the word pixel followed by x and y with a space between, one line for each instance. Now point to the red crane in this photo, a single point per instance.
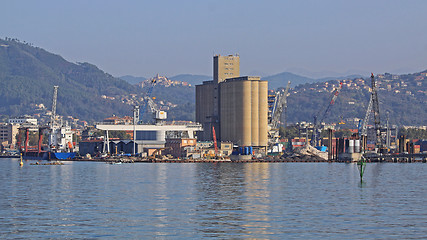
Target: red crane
pixel 214 138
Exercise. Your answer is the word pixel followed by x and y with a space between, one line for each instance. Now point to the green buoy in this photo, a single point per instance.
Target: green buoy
pixel 361 165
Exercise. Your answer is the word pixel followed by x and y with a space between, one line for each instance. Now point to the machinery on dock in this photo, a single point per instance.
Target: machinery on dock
pixel 373 106
pixel 322 114
pixel 60 135
pixel 278 108
pixel 158 115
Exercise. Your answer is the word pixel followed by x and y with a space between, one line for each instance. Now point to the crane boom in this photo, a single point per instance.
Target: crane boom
pixel 316 123
pixel 375 106
pixel 54 98
pixel 147 98
pixel 280 104
pixel 364 128
pixel 215 143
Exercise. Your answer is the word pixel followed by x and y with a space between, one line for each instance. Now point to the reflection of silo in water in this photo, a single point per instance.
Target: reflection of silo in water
pixel 257 179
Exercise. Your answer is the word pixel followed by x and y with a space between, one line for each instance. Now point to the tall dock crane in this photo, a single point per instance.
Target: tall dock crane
pixel 280 103
pixel 279 106
pixel 53 141
pixel 317 121
pixel 375 106
pixel 55 97
pixel 148 96
pixel 159 115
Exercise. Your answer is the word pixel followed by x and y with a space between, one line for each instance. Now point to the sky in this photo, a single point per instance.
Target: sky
pixel 309 37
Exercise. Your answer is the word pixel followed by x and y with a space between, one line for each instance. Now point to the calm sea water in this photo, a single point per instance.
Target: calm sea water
pixel 205 200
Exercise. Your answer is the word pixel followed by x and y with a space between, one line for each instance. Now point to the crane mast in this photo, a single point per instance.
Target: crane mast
pixel 215 142
pixel 159 115
pixel 55 96
pixel 316 122
pixel 280 104
pixel 364 128
pixel 148 96
pixel 375 106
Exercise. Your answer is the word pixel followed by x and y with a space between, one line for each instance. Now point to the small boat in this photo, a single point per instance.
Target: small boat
pixel 114 162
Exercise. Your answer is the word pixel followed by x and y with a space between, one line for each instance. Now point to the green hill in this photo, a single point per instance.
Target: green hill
pixel 402 97
pixel 28 74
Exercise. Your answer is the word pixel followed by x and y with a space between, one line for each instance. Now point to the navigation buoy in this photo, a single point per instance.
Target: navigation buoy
pixel 361 165
pixel 21 163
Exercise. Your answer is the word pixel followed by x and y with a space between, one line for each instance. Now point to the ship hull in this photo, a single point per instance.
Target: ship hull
pixel 50 156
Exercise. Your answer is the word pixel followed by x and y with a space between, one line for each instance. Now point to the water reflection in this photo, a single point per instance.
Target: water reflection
pixel 227 201
pixel 258 205
pixel 221 200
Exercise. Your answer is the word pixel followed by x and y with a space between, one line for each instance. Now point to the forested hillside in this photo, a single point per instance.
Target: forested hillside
pixel 402 99
pixel 28 74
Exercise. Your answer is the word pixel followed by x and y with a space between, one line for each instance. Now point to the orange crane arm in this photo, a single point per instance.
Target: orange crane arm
pixel 214 138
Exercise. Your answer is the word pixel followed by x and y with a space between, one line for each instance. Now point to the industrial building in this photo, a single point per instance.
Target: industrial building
pixel 207 94
pixel 236 107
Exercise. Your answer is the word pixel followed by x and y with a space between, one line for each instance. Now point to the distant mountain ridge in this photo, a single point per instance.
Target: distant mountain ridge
pixel 279 80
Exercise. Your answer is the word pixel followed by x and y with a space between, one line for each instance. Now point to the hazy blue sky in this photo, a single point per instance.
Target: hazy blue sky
pixel 142 38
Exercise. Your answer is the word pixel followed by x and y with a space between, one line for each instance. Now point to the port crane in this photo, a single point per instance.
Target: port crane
pixel 363 127
pixel 317 121
pixel 375 106
pixel 215 143
pixel 159 115
pixel 279 106
pixel 53 141
pixel 152 83
pixel 61 136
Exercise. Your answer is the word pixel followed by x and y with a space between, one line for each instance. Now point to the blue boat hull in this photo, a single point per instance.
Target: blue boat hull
pixel 51 156
pixel 62 156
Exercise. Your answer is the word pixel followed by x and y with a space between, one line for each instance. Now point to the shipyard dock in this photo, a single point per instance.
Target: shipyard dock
pixel 389 158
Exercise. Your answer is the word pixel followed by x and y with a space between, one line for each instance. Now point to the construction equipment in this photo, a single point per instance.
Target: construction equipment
pixel 156 154
pixel 60 134
pixel 279 106
pixel 318 121
pixel 53 141
pixel 375 105
pixel 363 129
pixel 55 96
pixel 215 143
pixel 148 96
pixel 159 115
